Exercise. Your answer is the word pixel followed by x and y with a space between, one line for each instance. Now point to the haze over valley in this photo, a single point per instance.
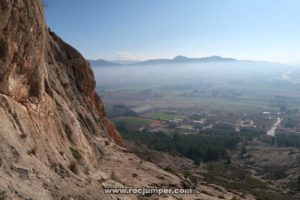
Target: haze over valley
pixel 250 107
pixel 247 84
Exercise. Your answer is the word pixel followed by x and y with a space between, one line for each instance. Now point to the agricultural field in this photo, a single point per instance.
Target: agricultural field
pixel 132 122
pixel 161 116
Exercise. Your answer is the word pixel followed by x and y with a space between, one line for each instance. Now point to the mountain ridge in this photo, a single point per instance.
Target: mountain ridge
pixel 175 60
pixel 102 62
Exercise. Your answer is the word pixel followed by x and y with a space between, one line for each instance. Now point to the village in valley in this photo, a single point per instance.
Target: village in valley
pixel 192 121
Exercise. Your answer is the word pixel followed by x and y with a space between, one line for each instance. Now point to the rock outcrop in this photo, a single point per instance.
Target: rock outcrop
pixel 55 140
pixel 47 88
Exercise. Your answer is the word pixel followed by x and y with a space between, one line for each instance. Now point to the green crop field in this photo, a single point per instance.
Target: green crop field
pixel 161 116
pixel 133 122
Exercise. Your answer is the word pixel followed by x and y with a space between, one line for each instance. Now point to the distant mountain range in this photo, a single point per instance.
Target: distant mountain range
pixel 184 59
pixel 101 62
pixel 177 59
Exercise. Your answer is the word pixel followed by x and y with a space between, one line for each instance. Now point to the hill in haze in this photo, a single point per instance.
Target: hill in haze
pixel 102 62
pixel 175 60
pixel 184 59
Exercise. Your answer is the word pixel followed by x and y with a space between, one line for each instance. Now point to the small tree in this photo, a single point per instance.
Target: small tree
pixel 243 151
pixel 298 183
pixel 2 195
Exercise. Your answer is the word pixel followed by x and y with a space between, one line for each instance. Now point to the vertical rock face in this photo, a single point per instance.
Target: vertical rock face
pixel 49 110
pixel 23 39
pixel 39 70
pixel 47 90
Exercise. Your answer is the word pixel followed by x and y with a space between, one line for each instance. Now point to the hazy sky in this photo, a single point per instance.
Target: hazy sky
pixel 141 29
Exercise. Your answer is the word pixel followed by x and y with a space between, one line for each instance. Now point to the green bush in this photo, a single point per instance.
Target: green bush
pixel 73 167
pixel 3 195
pixel 76 154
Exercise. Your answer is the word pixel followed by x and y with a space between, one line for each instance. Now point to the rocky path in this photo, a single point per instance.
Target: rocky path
pixel 272 131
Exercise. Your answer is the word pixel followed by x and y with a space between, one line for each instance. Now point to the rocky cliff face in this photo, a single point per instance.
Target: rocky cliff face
pixel 47 88
pixel 55 141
